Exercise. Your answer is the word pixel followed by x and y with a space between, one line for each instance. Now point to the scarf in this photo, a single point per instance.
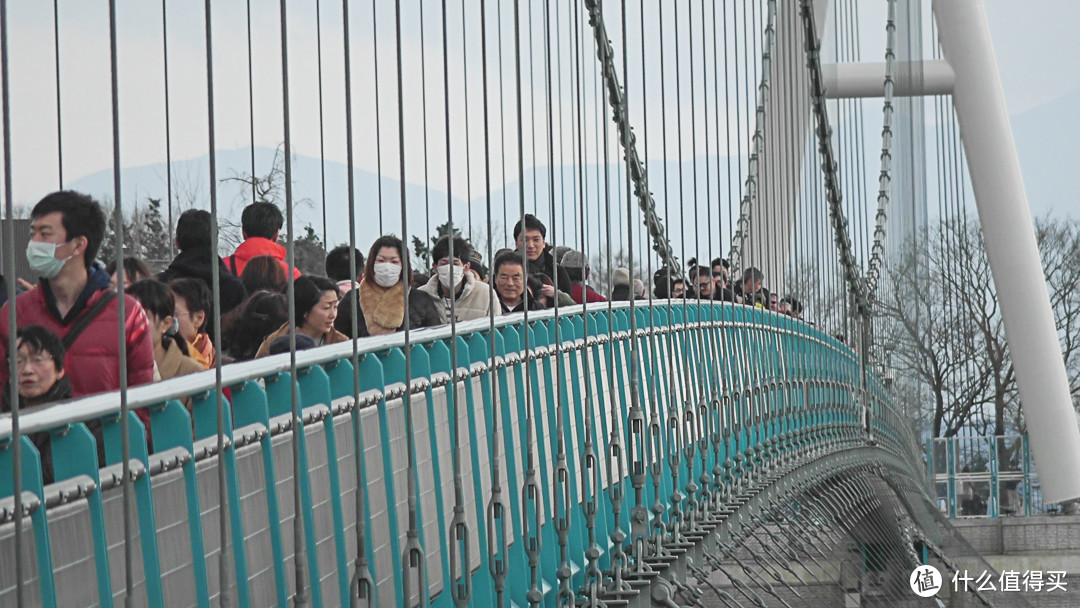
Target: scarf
pixel 383 308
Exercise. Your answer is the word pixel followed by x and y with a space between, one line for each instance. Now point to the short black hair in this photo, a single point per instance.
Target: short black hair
pixel 193 230
pixel 157 299
pixel 462 249
pixel 530 222
pixel 697 272
pixel 510 257
pixel 40 339
pixel 796 306
pixel 752 274
pixel 198 298
pixel 721 262
pixel 261 219
pixel 80 216
pixel 307 291
pixel 337 263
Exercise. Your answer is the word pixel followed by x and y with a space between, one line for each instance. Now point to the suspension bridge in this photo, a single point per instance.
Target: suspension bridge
pixel 654 452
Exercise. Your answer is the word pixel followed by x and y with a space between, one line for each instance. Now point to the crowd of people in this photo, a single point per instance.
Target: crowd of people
pixel 67 324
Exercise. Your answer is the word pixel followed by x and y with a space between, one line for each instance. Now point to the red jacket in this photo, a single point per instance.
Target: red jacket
pixel 583 294
pixel 92 363
pixel 254 247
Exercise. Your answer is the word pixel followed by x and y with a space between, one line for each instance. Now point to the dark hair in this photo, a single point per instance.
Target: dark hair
pixel 752 274
pixel 387 240
pixel 80 216
pixel 307 291
pixel 156 298
pixel 720 262
pixel 796 306
pixel 337 263
pixel 263 272
pixel 343 322
pixel 134 268
pixel 696 272
pixel 511 257
pixel 479 269
pixel 258 317
pixel 261 219
pixel 41 340
pixel 193 230
pixel 530 223
pixel 534 283
pixel 198 298
pixel 462 249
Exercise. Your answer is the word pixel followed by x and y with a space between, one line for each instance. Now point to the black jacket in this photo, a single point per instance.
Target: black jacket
pixel 423 312
pixel 195 264
pixel 546 264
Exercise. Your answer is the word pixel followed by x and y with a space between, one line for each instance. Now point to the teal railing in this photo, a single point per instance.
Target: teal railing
pixel 735 403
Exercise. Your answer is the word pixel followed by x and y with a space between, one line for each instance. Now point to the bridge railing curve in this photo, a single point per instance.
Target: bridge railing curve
pixel 757 394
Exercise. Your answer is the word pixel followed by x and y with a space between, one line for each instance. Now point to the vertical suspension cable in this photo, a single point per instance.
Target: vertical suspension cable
pixel 168 129
pixel 121 329
pixel 465 91
pixel 300 597
pixel 59 111
pixel 424 127
pixel 590 483
pixel 496 507
pixel 378 104
pixel 636 419
pixel 531 490
pixel 654 544
pixel 251 104
pixel 361 585
pixel 215 284
pixel 12 338
pixel 322 130
pixel 459 527
pixel 413 557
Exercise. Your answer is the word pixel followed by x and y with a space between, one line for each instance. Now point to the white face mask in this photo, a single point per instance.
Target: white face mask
pixel 387 274
pixel 450 275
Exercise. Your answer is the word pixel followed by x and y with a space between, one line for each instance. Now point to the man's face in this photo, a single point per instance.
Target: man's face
pixel 531 243
pixel 37 372
pixel 785 308
pixel 510 282
pixel 678 290
pixel 49 228
pixel 751 286
pixel 705 286
pixel 773 302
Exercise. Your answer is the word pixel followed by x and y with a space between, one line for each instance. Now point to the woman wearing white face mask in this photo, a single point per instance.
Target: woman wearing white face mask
pixel 382 292
pixel 472 297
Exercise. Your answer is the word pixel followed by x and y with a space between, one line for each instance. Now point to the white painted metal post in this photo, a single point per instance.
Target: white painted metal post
pixel 1010 245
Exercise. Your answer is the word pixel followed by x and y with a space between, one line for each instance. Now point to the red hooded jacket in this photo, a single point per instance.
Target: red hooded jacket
pixel 92 363
pixel 254 247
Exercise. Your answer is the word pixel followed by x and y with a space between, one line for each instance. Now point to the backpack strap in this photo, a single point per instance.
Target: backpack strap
pixel 232 264
pixel 88 317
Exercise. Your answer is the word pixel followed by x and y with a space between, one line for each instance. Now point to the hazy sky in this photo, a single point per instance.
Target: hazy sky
pixel 1034 41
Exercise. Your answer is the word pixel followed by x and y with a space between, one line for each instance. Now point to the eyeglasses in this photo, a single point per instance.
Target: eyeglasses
pixel 34 360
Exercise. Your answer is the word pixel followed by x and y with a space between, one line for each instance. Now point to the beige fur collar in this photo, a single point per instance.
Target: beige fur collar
pixel 384 309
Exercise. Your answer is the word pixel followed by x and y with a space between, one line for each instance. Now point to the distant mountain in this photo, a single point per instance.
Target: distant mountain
pixel 191 188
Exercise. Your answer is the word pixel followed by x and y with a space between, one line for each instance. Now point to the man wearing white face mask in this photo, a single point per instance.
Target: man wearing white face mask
pixel 472 297
pixel 73 299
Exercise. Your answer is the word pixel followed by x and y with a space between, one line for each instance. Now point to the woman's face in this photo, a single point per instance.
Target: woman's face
pixel 189 322
pixel 37 372
pixel 388 255
pixel 320 319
